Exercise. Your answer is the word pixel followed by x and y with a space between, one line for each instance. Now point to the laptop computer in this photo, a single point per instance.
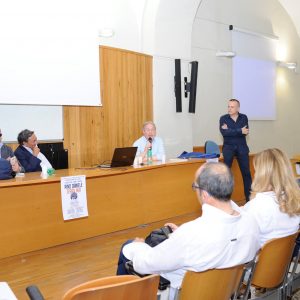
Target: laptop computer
pixel 122 157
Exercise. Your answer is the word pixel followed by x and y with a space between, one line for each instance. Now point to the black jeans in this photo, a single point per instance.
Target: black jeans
pixel 229 152
pixel 121 270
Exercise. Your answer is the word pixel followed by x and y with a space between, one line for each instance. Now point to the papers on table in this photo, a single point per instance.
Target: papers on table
pixel 6 293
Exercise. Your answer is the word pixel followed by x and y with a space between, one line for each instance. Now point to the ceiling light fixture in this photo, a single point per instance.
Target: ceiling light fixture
pixel 225 54
pixel 106 32
pixel 288 65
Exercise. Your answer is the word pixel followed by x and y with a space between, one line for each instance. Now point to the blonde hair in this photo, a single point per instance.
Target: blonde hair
pixel 273 172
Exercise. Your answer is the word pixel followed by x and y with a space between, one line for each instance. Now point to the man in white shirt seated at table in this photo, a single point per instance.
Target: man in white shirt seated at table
pixel 149 139
pixel 223 236
pixel 28 153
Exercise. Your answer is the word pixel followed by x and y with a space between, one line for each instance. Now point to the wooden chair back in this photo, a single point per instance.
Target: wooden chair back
pixel 273 262
pixel 211 284
pixel 116 287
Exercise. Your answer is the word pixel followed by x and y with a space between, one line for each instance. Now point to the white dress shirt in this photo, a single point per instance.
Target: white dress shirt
pixel 271 221
pixel 158 149
pixel 215 240
pixel 42 157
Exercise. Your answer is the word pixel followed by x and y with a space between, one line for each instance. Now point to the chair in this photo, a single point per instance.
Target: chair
pixel 273 261
pixel 293 280
pixel 218 284
pixel 211 147
pixel 116 287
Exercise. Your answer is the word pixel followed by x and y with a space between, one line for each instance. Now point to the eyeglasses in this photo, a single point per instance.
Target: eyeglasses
pixel 195 186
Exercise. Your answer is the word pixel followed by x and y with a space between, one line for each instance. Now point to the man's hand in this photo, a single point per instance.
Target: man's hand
pixel 14 164
pixel 16 168
pixel 144 154
pixel 245 130
pixel 36 150
pixel 172 225
pixel 148 145
pixel 224 126
pixel 137 239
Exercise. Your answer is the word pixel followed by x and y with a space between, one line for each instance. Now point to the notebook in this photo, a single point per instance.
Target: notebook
pixel 6 293
pixel 122 157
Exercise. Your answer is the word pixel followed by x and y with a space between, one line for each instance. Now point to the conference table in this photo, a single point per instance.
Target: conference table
pixel 117 199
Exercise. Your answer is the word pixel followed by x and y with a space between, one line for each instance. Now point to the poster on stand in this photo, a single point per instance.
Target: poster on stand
pixel 73 197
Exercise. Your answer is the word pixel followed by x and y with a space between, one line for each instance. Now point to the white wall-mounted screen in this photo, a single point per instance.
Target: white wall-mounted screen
pixel 254 74
pixel 45 121
pixel 49 53
pixel 254 85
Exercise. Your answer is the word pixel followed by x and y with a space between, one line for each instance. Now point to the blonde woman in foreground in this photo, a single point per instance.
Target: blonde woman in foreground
pixel 275 195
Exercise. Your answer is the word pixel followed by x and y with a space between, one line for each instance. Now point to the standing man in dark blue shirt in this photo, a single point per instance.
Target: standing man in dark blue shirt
pixel 234 128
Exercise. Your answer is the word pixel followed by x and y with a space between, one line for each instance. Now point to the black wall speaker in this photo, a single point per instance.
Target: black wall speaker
pixel 191 87
pixel 177 85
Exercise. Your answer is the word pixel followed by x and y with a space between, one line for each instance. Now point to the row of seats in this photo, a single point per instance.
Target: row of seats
pixel 269 270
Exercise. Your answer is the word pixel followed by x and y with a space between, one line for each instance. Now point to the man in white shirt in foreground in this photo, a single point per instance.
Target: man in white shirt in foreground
pixel 222 237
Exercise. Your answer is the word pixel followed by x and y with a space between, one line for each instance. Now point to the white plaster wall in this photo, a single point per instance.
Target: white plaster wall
pixel 210 33
pixel 175 128
pixel 125 17
pixel 162 29
pixel 168 29
pixel 171 34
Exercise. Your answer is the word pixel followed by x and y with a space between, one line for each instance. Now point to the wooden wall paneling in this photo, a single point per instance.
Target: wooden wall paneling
pixel 71 141
pixel 134 97
pixel 92 133
pixel 13 146
pixel 114 85
pixel 148 83
pixel 126 109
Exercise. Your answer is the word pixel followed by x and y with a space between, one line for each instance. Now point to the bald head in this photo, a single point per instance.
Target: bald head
pixel 233 107
pixel 149 130
pixel 216 179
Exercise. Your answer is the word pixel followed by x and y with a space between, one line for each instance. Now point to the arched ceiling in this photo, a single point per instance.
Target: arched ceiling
pixel 293 9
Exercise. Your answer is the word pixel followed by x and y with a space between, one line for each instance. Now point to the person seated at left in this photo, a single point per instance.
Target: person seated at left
pixel 6 171
pixel 28 153
pixel 7 153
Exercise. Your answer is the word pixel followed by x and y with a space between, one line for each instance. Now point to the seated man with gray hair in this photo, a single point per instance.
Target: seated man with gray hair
pixel 28 153
pixel 224 236
pixel 150 140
